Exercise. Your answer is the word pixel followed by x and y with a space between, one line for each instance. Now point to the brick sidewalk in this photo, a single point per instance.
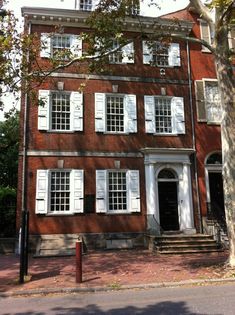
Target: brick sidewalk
pixel 112 269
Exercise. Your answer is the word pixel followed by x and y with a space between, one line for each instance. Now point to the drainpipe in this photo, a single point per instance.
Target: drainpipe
pixel 24 211
pixel 193 136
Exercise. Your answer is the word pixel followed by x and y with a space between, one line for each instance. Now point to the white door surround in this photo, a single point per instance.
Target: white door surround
pixel 178 161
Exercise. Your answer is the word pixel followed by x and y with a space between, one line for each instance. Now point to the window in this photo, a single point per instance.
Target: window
pixel 208 101
pixel 214 158
pixel 117 191
pixel 205 34
pixel 85 5
pixel 164 115
pixel 160 54
pixel 60 111
pixel 123 55
pixel 59 191
pixel 115 113
pixel 60 45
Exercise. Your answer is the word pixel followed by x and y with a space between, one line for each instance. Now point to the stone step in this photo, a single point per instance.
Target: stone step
pixel 189 251
pixel 55 252
pixel 187 247
pixel 184 244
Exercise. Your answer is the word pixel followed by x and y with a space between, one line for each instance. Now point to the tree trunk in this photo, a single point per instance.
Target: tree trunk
pixel 226 84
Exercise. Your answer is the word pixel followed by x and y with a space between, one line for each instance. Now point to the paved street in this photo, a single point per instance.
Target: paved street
pixel 207 300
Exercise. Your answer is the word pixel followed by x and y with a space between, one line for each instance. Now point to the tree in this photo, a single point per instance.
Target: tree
pixel 9 143
pixel 224 17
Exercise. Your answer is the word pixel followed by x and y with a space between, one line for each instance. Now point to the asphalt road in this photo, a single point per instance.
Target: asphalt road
pixel 203 300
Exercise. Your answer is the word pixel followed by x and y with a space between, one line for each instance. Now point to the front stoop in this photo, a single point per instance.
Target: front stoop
pixel 185 244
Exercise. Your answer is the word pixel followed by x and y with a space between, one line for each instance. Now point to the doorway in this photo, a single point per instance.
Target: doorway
pixel 168 200
pixel 217 195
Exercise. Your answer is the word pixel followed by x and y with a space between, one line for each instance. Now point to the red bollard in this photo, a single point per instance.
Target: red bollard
pixel 79 262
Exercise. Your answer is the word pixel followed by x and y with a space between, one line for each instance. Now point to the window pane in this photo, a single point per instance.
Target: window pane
pixel 163 115
pixel 117 191
pixel 116 57
pixel 115 113
pixel 60 111
pixel 85 5
pixel 213 103
pixel 160 54
pixel 60 193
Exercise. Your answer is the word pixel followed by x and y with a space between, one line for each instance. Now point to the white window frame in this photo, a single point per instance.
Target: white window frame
pixel 43 192
pixel 47 44
pixel 203 23
pixel 123 55
pixel 130 113
pixel 86 5
pixel 177 114
pixel 132 189
pixel 45 111
pixel 174 55
pixel 216 122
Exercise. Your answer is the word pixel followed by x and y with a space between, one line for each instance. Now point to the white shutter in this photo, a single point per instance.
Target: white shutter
pixel 101 191
pixel 45 51
pixel 76 106
pixel 149 108
pixel 147 53
pixel 205 34
pixel 77 191
pixel 174 55
pixel 128 53
pixel 42 192
pixel 43 110
pixel 130 114
pixel 76 45
pixel 100 112
pixel 178 115
pixel 134 191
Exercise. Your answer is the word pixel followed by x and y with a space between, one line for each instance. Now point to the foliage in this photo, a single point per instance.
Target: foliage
pixel 7 211
pixel 9 142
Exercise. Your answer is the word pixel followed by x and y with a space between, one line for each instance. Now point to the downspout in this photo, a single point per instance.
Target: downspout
pixel 193 136
pixel 24 211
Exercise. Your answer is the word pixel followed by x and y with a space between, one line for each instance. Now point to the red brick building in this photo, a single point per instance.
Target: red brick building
pixel 136 151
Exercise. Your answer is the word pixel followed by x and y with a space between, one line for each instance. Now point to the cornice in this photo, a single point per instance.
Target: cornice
pixel 76 18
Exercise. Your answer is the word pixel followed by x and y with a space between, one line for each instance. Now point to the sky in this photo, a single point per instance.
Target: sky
pixel 15 5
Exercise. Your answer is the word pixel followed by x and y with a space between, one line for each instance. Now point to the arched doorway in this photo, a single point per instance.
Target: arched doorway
pixel 168 200
pixel 214 181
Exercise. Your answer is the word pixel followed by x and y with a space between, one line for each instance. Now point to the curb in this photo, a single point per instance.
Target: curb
pixel 105 289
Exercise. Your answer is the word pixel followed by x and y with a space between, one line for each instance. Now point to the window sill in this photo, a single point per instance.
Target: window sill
pixel 166 134
pixel 60 214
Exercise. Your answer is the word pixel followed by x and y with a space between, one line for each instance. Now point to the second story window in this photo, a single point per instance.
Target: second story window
pixel 60 111
pixel 208 101
pixel 60 46
pixel 115 113
pixel 164 115
pixel 161 55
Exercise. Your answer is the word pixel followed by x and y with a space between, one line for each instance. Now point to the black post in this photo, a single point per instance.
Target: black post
pixel 22 247
pixel 26 242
